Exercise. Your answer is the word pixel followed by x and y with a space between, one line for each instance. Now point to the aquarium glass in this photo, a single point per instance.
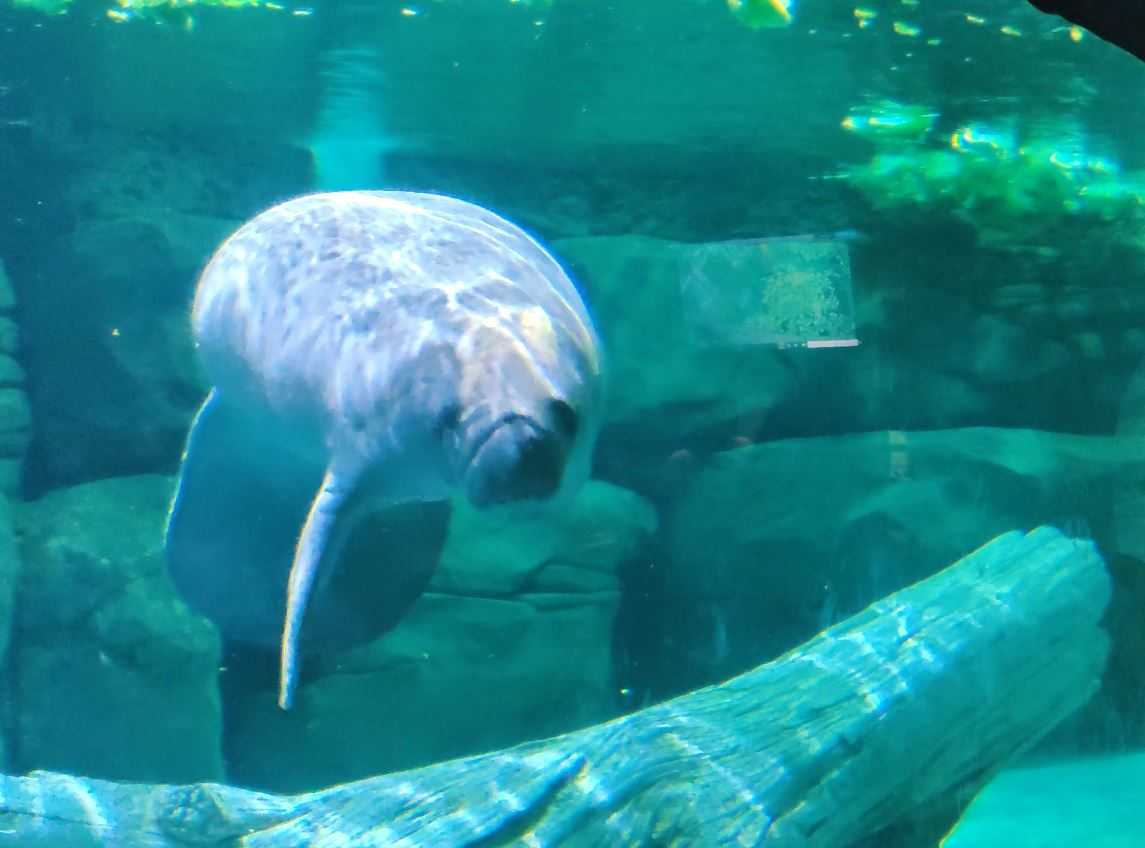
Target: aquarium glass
pixel 571 422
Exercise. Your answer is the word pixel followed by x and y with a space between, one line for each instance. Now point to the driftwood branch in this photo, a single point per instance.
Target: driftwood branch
pixel 923 694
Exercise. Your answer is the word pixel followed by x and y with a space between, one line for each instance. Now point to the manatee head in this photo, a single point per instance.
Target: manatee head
pixel 528 418
pixel 520 455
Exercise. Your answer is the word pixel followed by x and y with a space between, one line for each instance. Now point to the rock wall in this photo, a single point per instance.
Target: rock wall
pixel 105 299
pixel 10 568
pixel 111 676
pixel 15 413
pixel 15 424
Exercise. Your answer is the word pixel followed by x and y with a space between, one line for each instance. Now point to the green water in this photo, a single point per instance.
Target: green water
pixel 868 285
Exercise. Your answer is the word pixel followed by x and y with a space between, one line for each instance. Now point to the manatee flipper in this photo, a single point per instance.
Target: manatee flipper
pixel 313 541
pixel 232 530
pixel 233 520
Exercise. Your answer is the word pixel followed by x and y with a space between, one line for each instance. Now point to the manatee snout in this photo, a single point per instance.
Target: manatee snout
pixel 521 457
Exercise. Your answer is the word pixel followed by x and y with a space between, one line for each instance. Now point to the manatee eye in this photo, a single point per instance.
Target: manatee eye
pixel 563 419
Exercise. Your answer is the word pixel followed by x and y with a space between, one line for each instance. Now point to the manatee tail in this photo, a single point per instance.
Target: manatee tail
pixel 312 541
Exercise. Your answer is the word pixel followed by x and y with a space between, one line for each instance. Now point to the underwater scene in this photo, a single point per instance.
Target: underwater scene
pixel 572 423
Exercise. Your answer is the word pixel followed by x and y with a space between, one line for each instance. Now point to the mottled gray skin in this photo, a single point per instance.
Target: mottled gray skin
pixel 412 345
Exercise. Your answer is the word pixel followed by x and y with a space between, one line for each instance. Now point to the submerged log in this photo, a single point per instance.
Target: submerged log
pixel 924 694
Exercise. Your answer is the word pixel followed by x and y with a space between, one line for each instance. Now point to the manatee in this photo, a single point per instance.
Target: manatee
pixel 369 352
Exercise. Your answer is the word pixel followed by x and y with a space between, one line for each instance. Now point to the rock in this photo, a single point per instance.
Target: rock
pixel 105 291
pixel 808 530
pixel 507 552
pixel 667 389
pixel 142 262
pixel 116 382
pixel 512 642
pixel 9 335
pixel 930 356
pixel 1129 498
pixel 114 677
pixel 15 422
pixel 128 173
pixel 1114 719
pixel 15 412
pixel 11 470
pixel 7 295
pixel 10 571
pixel 656 362
pixel 615 194
pixel 996 351
pixel 11 372
pixel 935 357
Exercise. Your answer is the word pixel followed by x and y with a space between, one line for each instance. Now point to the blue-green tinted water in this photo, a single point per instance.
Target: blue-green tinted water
pixel 867 281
